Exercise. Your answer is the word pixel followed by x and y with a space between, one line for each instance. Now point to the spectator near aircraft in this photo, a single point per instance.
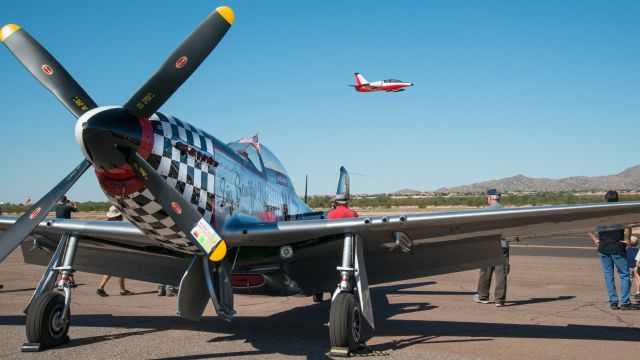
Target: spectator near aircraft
pixel 611 242
pixel 501 271
pixel 113 215
pixel 65 207
pixel 341 201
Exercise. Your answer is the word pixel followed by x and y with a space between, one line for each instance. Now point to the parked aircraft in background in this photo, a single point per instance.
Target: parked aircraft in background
pixel 218 219
pixel 389 85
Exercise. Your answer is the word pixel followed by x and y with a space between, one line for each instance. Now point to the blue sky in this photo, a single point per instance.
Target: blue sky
pixel 541 88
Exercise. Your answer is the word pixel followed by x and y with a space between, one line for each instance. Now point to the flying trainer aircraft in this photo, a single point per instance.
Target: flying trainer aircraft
pixel 218 219
pixel 389 85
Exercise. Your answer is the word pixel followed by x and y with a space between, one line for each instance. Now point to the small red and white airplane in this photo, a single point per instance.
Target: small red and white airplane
pixel 384 85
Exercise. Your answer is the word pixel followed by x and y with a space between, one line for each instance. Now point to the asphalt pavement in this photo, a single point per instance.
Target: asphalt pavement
pixel 572 245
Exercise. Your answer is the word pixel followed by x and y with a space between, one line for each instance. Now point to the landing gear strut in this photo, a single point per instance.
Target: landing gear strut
pixel 49 312
pixel 348 312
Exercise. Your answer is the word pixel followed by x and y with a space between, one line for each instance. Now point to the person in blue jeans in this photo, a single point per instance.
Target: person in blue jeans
pixel 611 242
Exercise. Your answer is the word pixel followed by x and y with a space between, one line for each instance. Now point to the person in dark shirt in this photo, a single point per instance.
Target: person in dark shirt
pixel 611 242
pixel 65 207
pixel 501 271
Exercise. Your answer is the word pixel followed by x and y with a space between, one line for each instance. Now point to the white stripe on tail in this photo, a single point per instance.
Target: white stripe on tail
pixel 360 80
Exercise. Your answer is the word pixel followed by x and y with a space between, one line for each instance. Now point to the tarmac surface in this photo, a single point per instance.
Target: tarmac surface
pixel 557 309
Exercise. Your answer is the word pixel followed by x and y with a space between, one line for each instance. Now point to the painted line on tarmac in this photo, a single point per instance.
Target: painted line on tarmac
pixel 556 247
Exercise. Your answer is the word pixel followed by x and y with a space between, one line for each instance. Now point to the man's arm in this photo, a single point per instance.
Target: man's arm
pixel 627 236
pixel 595 239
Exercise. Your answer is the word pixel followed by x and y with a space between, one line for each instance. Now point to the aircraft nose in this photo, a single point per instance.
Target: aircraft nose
pixel 108 137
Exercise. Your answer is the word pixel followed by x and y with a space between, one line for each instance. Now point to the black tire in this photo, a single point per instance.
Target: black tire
pixel 345 322
pixel 43 321
pixel 318 297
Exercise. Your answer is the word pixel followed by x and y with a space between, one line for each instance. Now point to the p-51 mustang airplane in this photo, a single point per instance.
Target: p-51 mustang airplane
pixel 389 85
pixel 218 219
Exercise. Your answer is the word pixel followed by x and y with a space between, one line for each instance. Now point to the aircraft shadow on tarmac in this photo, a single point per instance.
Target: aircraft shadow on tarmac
pixel 302 331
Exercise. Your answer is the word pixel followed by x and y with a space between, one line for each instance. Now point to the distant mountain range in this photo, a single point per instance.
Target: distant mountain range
pixel 629 179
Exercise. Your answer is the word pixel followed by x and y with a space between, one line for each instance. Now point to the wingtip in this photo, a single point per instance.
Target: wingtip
pixel 226 13
pixel 7 30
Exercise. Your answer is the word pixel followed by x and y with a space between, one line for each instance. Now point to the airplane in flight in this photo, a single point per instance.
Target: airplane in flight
pixel 218 219
pixel 389 85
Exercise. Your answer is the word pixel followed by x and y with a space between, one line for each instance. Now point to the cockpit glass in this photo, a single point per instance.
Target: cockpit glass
pixel 271 161
pixel 248 152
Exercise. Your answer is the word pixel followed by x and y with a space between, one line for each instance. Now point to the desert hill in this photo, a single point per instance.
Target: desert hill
pixel 628 179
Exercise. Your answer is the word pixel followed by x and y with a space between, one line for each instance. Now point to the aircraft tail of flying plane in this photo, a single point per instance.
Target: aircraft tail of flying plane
pixel 389 85
pixel 360 80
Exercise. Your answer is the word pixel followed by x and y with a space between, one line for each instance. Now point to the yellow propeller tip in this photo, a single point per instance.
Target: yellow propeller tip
pixel 219 252
pixel 226 13
pixel 9 29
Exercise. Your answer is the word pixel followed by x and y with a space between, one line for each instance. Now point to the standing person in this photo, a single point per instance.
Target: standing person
pixel 341 210
pixel 636 275
pixel 65 207
pixel 501 271
pixel 632 253
pixel 341 200
pixel 611 242
pixel 113 215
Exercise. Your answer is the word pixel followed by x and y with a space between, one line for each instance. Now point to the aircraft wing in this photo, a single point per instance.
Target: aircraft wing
pixel 434 243
pixel 106 247
pixel 442 242
pixel 447 226
pixel 116 231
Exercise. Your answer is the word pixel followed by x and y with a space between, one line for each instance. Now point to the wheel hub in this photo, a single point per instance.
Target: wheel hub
pixel 57 322
pixel 355 323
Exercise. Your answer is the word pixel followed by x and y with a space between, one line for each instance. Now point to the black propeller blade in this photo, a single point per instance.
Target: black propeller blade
pixel 180 210
pixel 44 67
pixel 30 219
pixel 181 64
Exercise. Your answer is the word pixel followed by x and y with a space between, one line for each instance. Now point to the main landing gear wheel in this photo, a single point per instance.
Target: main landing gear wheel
pixel 345 322
pixel 45 324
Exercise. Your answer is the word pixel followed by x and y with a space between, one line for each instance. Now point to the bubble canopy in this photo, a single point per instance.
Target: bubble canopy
pixel 269 160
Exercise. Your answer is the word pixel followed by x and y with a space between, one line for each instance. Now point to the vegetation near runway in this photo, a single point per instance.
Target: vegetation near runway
pixel 383 201
pixel 543 198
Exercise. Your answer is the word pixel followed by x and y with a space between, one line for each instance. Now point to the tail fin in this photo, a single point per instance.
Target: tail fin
pixel 360 80
pixel 343 194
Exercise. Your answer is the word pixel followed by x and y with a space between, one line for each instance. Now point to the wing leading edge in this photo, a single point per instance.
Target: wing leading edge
pixel 434 227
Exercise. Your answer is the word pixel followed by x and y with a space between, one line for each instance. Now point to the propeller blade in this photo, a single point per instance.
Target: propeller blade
pixel 30 219
pixel 46 69
pixel 181 63
pixel 181 211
